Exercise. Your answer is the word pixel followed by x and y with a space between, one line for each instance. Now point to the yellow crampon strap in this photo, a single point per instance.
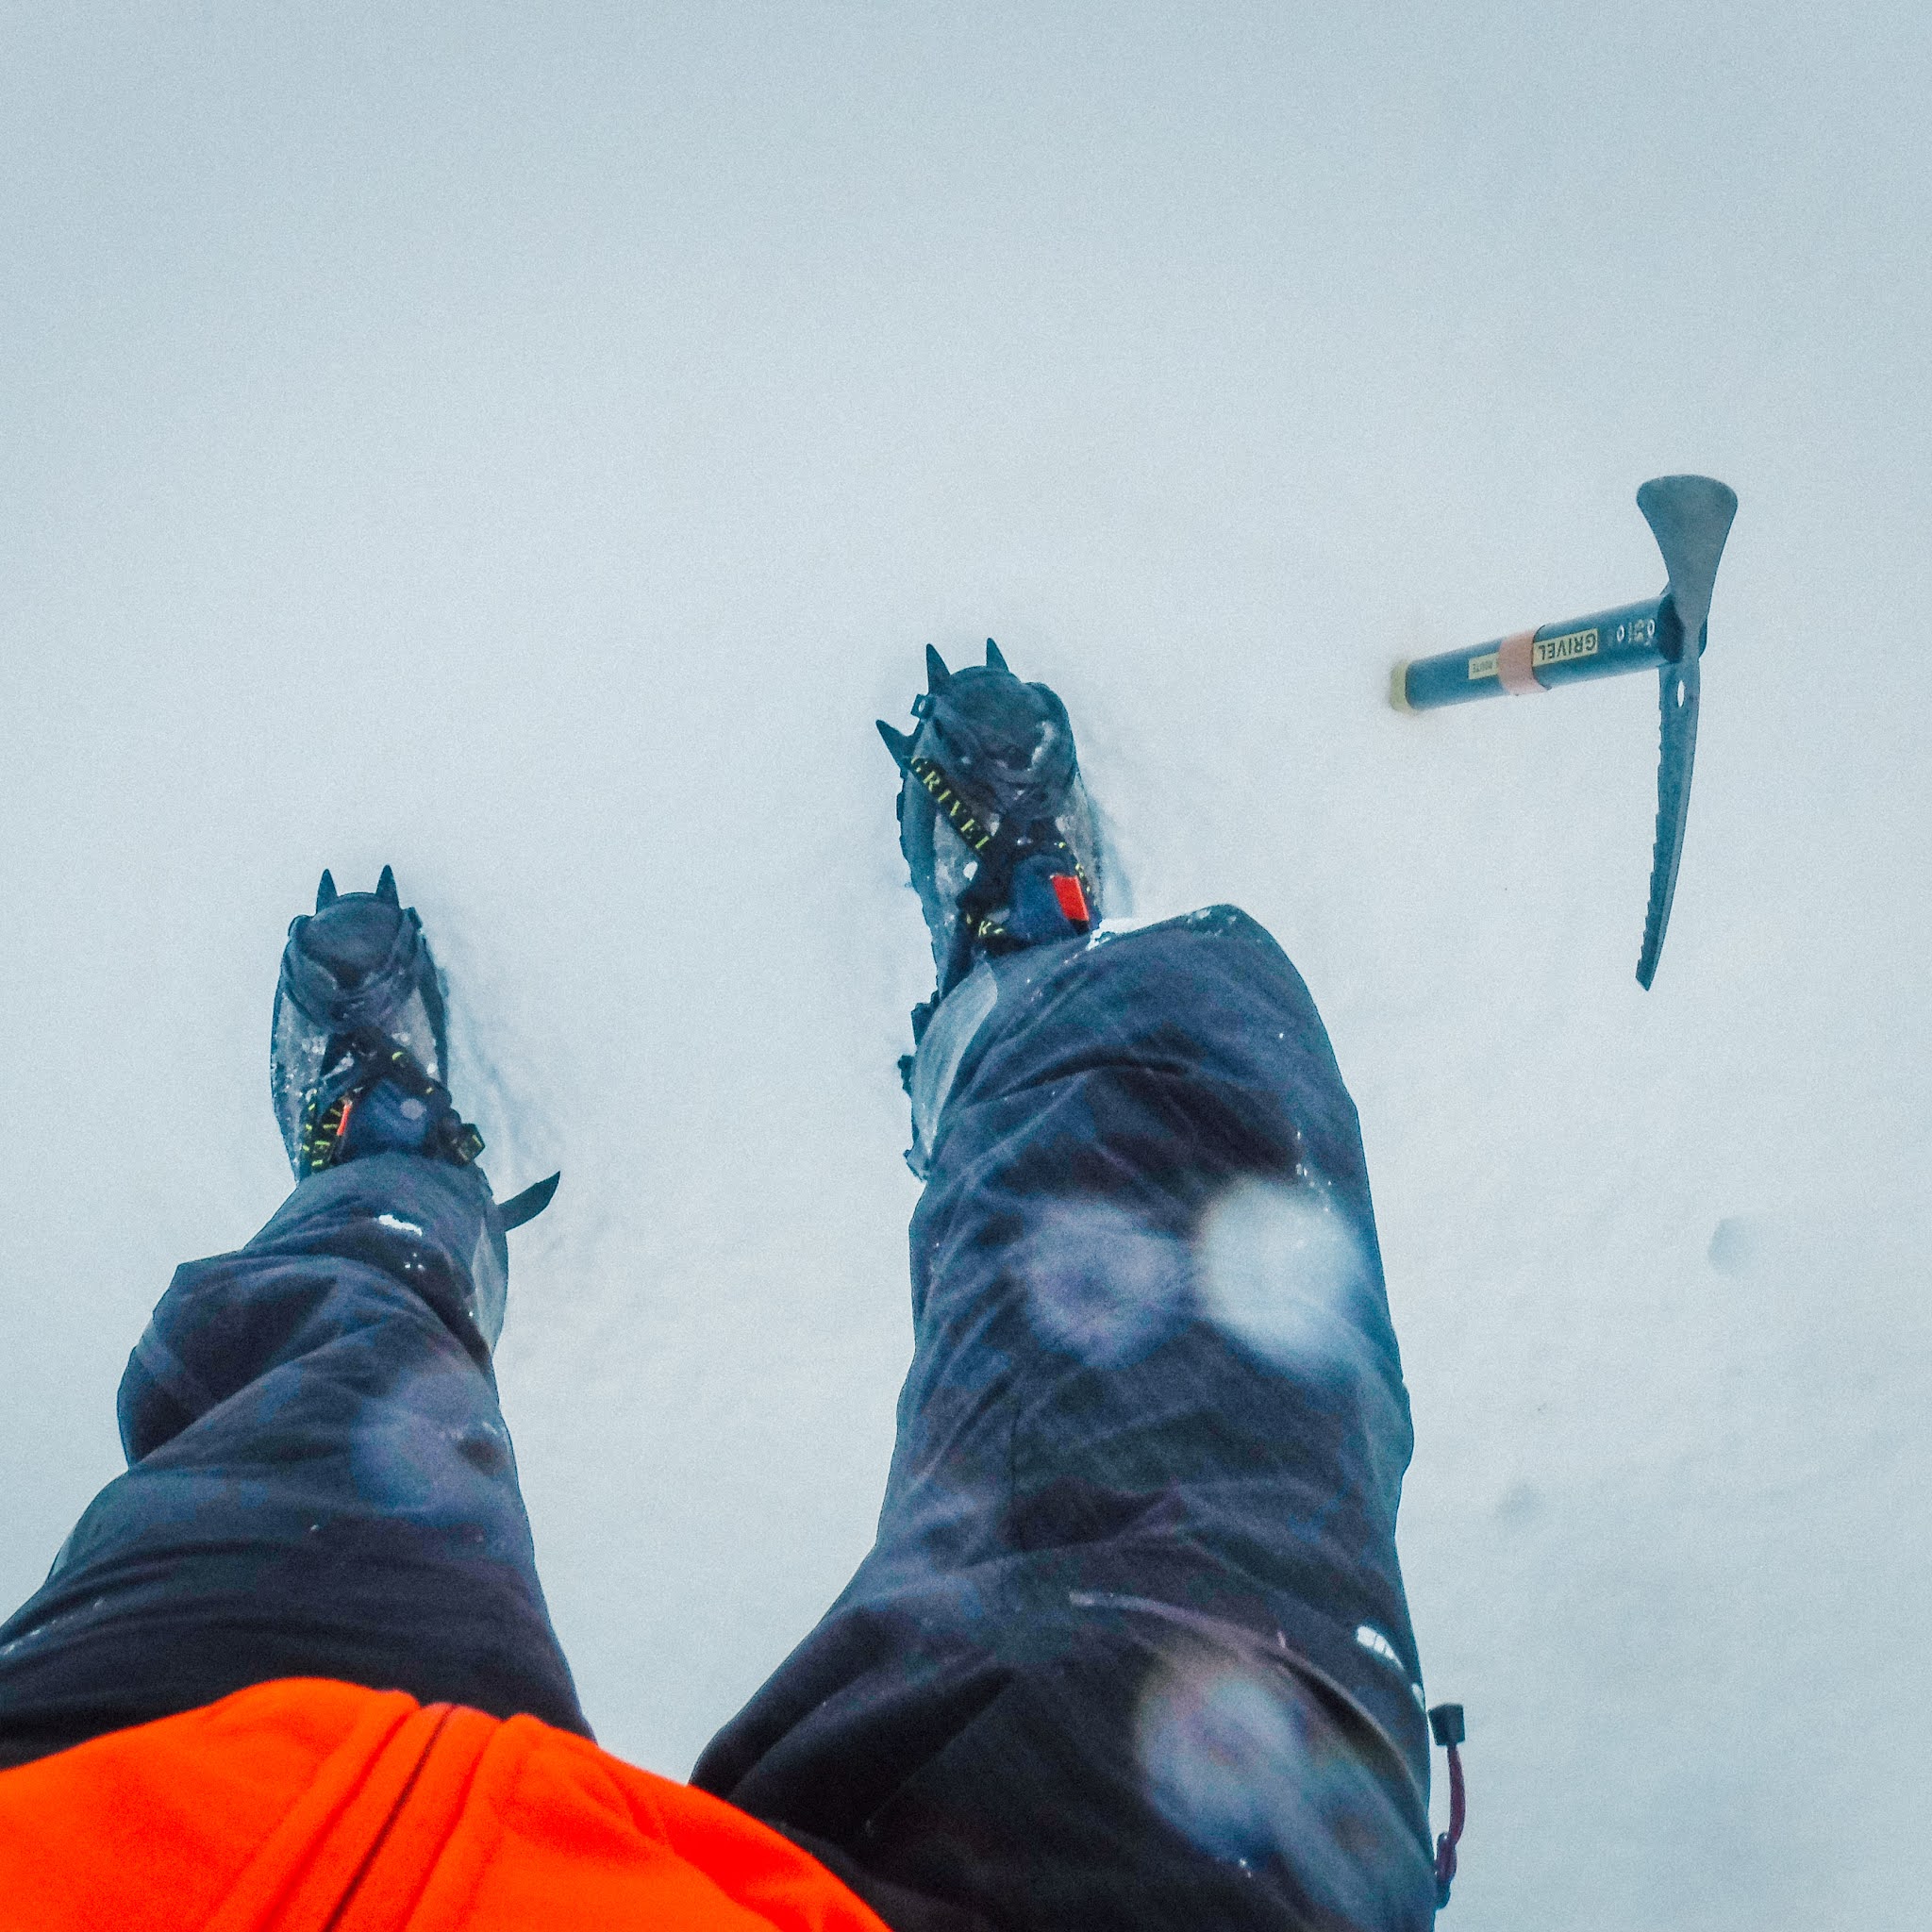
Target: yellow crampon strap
pixel 959 815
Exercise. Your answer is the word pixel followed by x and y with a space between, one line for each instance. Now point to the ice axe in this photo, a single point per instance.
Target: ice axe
pixel 1689 517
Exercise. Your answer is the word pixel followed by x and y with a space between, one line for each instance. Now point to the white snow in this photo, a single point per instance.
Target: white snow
pixel 1372 1640
pixel 530 448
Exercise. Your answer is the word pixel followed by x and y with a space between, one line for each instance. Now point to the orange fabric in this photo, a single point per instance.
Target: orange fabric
pixel 306 1806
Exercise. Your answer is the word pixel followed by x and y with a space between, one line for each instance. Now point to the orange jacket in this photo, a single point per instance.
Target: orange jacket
pixel 307 1805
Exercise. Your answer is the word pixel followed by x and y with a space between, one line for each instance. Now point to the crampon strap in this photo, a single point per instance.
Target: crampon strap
pixel 363 1062
pixel 1445 1722
pixel 998 852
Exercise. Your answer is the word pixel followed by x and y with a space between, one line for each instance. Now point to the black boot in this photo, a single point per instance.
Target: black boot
pixel 359 1052
pixel 995 822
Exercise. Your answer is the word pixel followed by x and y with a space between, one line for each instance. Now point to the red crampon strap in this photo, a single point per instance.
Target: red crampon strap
pixel 997 851
pixel 1067 889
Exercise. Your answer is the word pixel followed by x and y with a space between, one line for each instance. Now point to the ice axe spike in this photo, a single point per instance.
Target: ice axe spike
pixel 1689 517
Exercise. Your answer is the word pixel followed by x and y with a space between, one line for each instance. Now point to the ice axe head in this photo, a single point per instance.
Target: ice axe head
pixel 1689 517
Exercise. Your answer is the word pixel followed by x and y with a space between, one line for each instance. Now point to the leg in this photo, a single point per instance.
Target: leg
pixel 1131 1648
pixel 320 1483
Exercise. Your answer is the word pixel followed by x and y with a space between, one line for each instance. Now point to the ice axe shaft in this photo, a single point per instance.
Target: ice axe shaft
pixel 1603 645
pixel 1689 517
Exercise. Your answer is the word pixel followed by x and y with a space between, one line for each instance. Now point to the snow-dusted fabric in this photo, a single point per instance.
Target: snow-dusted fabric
pixel 320 1482
pixel 1131 1649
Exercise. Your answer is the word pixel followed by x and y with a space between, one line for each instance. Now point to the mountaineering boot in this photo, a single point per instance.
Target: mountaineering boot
pixel 360 1051
pixel 995 826
pixel 359 1054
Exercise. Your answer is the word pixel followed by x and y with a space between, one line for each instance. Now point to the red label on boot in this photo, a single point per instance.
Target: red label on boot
pixel 1066 888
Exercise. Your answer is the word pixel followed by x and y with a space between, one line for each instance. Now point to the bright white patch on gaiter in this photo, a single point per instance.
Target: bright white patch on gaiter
pixel 1102 1284
pixel 1371 1639
pixel 396 1221
pixel 1248 1766
pixel 1282 1270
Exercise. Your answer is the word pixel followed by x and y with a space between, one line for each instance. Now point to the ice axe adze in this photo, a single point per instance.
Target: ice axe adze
pixel 1689 517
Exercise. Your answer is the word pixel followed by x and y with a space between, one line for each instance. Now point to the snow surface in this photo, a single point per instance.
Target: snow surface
pixel 529 446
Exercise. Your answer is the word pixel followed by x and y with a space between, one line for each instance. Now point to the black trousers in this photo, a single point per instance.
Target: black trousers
pixel 1131 1648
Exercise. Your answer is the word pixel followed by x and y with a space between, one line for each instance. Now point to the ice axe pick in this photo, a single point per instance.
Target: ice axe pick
pixel 1689 517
